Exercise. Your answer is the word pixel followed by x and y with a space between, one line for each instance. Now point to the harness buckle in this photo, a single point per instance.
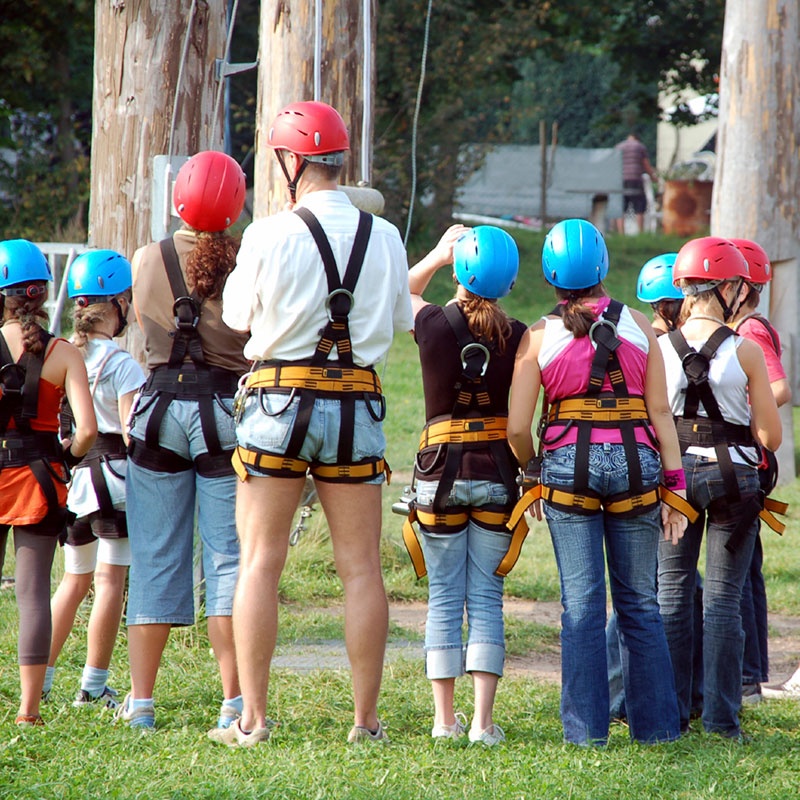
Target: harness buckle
pixel 475 425
pixel 333 296
pixel 481 349
pixel 606 402
pixel 184 322
pixel 598 328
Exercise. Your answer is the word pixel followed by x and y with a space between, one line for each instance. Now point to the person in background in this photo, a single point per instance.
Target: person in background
pixel 37 372
pixel 635 163
pixel 182 435
pixel 96 550
pixel 720 395
pixel 607 433
pixel 465 492
pixel 752 325
pixel 320 277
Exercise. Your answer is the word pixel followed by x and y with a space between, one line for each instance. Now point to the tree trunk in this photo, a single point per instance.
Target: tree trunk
pixel 286 74
pixel 138 54
pixel 757 180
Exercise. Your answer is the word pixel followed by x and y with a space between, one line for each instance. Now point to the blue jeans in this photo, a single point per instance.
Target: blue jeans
pixel 161 508
pixel 582 543
pixel 723 639
pixel 755 667
pixel 461 569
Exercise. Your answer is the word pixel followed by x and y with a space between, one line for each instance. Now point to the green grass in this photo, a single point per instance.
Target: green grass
pixel 81 754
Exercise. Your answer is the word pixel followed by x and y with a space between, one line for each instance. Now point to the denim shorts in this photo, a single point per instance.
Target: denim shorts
pixel 164 510
pixel 266 424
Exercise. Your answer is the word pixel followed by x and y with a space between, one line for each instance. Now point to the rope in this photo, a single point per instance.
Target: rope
pixel 366 145
pixel 179 82
pixel 416 122
pixel 317 49
pixel 223 82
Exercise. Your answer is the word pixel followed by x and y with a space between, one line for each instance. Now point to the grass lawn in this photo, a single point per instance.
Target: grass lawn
pixel 80 753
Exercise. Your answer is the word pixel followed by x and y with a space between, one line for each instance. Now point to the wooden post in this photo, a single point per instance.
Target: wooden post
pixel 757 179
pixel 299 41
pixel 138 59
pixel 543 172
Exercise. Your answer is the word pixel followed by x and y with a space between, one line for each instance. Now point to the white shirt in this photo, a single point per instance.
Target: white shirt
pixel 278 288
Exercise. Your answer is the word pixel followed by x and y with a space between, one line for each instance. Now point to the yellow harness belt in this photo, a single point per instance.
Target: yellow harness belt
pixel 451 431
pixel 320 379
pixel 599 409
pixel 457 520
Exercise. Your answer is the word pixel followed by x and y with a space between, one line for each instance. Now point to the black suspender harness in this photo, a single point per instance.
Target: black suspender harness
pixel 715 432
pixel 449 436
pixel 340 379
pixel 23 446
pixel 598 409
pixel 194 380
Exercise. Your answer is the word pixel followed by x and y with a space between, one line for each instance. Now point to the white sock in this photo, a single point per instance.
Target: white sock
pixel 94 680
pixel 49 677
pixel 235 702
pixel 136 703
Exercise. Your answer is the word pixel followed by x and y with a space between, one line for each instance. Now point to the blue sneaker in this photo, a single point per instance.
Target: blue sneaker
pixel 135 718
pixel 229 712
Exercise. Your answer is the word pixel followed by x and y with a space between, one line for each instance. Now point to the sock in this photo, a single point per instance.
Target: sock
pixel 49 677
pixel 236 703
pixel 144 703
pixel 94 680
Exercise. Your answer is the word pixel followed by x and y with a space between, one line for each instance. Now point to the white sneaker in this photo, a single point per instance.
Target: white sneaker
pixel 790 688
pixel 454 731
pixel 360 734
pixel 489 736
pixel 234 736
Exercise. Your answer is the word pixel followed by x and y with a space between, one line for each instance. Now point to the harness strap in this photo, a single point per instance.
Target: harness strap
pixel 767 326
pixel 452 431
pixel 599 409
pixel 767 514
pixel 330 380
pixel 107 446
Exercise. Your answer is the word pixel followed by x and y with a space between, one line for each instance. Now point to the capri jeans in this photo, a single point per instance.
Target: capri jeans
pixel 630 546
pixel 161 512
pixel 461 569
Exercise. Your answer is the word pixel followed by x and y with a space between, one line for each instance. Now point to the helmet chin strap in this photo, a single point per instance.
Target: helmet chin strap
pixel 122 321
pixel 291 182
pixel 728 310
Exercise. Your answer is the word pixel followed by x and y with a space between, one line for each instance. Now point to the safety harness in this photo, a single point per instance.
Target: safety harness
pixel 22 446
pixel 446 438
pixel 713 430
pixel 182 380
pixel 319 377
pixel 617 409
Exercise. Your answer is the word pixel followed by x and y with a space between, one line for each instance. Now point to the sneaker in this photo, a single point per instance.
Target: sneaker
pixel 360 734
pixel 234 736
pixel 228 714
pixel 751 694
pixel 489 736
pixel 458 728
pixel 135 718
pixel 790 688
pixel 29 720
pixel 107 698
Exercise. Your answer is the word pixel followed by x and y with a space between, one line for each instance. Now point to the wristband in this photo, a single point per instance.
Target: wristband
pixel 674 479
pixel 70 459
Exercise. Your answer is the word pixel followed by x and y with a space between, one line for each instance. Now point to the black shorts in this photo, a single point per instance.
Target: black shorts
pixel 633 196
pixel 86 529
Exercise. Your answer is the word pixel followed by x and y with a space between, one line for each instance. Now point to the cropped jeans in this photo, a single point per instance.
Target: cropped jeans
pixel 461 570
pixel 725 572
pixel 582 544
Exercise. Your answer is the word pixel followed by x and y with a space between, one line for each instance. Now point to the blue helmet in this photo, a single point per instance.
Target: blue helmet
pixel 21 264
pixel 655 280
pixel 574 255
pixel 98 275
pixel 486 261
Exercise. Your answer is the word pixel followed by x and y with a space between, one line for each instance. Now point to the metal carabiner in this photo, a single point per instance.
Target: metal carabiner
pixel 334 294
pixel 482 349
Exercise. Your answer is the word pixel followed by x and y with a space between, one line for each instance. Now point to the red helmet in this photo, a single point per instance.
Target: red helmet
pixel 209 191
pixel 757 260
pixel 709 259
pixel 310 129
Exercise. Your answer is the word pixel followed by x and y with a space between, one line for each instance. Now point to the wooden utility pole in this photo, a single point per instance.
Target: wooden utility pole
pixel 139 70
pixel 314 50
pixel 757 180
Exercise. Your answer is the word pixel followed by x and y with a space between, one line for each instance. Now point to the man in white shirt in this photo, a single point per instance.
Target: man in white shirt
pixel 298 290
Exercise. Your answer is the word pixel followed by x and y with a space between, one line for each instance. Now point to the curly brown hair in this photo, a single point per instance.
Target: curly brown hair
pixel 210 263
pixel 486 320
pixel 32 317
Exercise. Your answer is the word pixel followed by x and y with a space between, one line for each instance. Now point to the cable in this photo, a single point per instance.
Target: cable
pixel 317 49
pixel 416 122
pixel 180 79
pixel 222 79
pixel 366 144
